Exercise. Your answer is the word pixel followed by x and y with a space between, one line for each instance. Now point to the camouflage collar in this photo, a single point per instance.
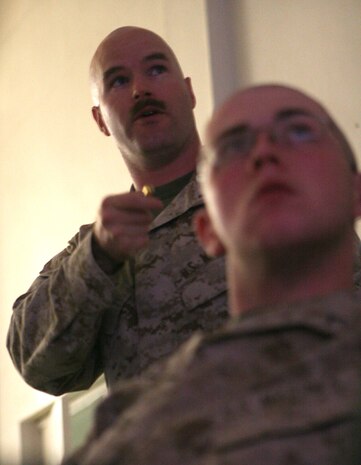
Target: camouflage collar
pixel 189 197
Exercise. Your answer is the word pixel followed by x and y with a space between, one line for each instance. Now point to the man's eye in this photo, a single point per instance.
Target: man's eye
pixel 157 69
pixel 119 81
pixel 301 132
pixel 234 146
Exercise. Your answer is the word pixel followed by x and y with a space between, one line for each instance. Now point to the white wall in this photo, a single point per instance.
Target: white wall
pixel 55 166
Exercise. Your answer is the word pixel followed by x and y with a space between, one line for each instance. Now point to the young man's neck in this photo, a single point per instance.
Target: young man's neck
pixel 296 277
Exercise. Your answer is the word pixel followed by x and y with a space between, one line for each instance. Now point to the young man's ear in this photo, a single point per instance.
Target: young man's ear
pixel 207 237
pixel 98 117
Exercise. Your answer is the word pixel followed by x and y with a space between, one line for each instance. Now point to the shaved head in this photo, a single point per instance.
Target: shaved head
pixel 121 36
pixel 270 94
pixel 142 99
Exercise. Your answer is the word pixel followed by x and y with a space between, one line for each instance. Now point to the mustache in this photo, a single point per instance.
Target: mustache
pixel 149 102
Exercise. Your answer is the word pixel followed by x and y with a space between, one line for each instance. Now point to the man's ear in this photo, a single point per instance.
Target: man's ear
pixel 190 90
pixel 98 117
pixel 206 234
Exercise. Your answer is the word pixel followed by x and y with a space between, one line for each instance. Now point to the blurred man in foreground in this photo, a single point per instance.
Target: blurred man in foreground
pixel 280 383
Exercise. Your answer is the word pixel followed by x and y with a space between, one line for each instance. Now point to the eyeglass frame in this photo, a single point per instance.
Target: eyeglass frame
pixel 326 123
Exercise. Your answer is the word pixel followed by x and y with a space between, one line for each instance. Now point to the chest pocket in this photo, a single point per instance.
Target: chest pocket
pixel 178 289
pixel 174 273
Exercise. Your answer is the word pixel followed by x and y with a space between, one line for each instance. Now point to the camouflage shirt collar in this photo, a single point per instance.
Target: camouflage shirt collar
pixel 189 197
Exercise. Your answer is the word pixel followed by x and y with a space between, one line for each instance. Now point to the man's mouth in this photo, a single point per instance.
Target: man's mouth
pixel 146 113
pixel 147 108
pixel 273 189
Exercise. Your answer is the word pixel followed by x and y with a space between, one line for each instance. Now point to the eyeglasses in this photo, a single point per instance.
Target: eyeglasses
pixel 294 131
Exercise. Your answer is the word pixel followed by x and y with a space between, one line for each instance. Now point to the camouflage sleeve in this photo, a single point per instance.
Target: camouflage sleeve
pixel 54 327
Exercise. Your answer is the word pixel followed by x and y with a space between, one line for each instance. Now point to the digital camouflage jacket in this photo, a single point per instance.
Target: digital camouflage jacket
pixel 278 386
pixel 75 322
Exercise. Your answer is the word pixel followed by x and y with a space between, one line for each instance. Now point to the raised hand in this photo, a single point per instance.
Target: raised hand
pixel 121 227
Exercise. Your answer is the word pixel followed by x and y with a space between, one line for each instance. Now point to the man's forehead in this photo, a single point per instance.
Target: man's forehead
pixel 130 44
pixel 259 105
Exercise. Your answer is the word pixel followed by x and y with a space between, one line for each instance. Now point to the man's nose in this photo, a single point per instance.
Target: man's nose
pixel 264 149
pixel 140 89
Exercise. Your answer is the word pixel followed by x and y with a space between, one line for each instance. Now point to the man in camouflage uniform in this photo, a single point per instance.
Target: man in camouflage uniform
pixel 280 383
pixel 133 286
